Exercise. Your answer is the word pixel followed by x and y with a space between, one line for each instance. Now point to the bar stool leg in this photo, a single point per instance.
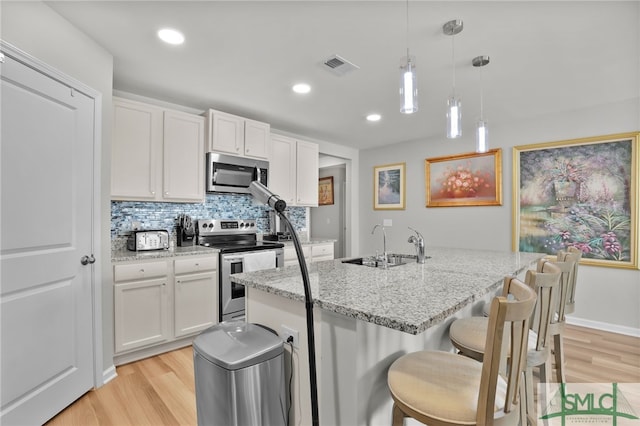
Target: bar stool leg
pixel 559 356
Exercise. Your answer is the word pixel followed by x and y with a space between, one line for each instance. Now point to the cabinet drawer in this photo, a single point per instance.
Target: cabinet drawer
pixel 139 271
pixel 198 264
pixel 323 250
pixel 290 253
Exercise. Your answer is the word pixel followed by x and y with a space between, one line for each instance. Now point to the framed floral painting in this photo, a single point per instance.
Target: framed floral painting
pixel 470 179
pixel 580 193
pixel 389 187
pixel 325 191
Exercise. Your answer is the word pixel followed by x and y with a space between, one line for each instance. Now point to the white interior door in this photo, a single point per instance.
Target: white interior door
pixel 47 142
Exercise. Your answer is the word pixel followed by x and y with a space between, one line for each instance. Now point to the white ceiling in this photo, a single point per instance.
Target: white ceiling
pixel 243 57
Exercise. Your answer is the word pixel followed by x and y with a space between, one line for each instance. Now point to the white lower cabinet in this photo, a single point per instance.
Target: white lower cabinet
pixel 141 302
pixel 195 304
pixel 157 304
pixel 322 251
pixel 291 257
pixel 312 253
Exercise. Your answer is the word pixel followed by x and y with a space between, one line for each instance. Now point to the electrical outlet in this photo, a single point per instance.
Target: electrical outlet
pixel 387 222
pixel 286 332
pixel 136 225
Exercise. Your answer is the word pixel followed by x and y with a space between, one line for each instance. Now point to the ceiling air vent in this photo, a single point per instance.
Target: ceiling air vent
pixel 339 66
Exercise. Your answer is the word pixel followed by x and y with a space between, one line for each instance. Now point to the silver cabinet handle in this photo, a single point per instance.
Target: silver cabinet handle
pixel 86 260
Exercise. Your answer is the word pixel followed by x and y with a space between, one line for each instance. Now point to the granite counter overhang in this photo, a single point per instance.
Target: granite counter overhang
pixel 410 298
pixel 127 255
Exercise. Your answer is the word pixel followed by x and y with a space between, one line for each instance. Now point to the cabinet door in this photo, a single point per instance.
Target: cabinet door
pixel 135 150
pixel 322 252
pixel 282 168
pixel 257 141
pixel 226 133
pixel 183 178
pixel 307 174
pixel 195 302
pixel 141 314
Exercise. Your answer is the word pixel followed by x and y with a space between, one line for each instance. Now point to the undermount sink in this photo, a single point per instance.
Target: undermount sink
pixel 392 260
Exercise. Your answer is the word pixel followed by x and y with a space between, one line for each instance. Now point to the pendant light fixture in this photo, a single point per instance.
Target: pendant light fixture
pixel 482 132
pixel 408 82
pixel 454 107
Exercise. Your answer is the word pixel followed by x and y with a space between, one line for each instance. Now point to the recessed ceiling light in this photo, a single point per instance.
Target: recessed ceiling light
pixel 301 88
pixel 171 36
pixel 374 117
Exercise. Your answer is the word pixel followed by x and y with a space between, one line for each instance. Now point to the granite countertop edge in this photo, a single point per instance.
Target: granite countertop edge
pixel 118 256
pixel 282 284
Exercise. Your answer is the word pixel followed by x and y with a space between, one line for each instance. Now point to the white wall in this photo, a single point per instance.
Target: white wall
pixel 604 295
pixel 37 30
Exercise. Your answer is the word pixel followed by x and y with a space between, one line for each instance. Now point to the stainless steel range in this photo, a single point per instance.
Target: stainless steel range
pixel 240 251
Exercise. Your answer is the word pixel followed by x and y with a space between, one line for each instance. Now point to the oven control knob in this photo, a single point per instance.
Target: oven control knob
pixel 252 225
pixel 211 225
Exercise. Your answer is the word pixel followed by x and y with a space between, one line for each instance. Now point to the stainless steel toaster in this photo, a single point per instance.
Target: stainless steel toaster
pixel 156 239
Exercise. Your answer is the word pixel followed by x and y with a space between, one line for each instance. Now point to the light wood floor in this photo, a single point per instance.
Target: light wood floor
pixel 161 390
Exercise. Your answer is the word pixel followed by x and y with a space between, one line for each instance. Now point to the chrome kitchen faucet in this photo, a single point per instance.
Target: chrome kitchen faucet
pixel 419 243
pixel 384 245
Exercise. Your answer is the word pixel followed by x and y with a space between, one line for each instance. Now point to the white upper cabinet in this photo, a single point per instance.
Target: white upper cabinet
pixel 231 134
pixel 307 174
pixel 183 178
pixel 157 154
pixel 293 170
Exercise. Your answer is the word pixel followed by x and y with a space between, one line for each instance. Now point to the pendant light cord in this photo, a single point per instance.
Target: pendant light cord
pixel 481 97
pixel 407 18
pixel 453 65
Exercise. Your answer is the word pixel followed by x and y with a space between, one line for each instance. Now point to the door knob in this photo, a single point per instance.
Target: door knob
pixel 85 260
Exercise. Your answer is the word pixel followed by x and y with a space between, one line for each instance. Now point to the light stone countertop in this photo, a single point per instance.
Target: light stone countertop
pixel 410 298
pixel 126 255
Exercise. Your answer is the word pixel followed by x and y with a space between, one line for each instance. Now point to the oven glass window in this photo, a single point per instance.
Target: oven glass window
pixel 237 290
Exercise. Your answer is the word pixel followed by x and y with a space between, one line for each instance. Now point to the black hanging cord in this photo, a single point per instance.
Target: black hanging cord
pixel 311 345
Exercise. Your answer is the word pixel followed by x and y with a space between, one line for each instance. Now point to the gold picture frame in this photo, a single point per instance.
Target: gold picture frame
pixel 470 179
pixel 325 191
pixel 389 187
pixel 580 193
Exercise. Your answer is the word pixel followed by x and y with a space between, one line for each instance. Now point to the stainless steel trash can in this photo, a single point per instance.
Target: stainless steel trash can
pixel 239 374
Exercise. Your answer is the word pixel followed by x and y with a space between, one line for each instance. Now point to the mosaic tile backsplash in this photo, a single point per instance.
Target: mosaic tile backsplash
pixel 216 206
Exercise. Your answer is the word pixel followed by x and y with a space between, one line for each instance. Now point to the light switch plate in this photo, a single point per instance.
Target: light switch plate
pixel 387 222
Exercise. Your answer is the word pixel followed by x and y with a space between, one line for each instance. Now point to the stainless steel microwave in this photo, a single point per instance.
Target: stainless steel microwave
pixel 226 173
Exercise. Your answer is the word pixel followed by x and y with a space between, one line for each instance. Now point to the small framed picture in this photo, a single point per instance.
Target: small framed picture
pixel 389 187
pixel 325 191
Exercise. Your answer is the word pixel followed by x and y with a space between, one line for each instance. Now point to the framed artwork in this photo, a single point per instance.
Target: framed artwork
pixel 389 187
pixel 470 179
pixel 325 191
pixel 579 193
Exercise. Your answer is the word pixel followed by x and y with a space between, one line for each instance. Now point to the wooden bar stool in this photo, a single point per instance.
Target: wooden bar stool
pixel 468 334
pixel 556 328
pixel 442 388
pixel 563 256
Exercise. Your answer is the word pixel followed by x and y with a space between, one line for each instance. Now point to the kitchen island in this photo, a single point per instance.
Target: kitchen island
pixel 365 318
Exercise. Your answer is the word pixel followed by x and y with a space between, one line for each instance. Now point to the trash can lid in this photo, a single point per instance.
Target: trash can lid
pixel 236 344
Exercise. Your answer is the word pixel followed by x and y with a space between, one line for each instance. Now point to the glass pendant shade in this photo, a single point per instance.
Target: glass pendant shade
pixel 454 118
pixel 408 87
pixel 482 136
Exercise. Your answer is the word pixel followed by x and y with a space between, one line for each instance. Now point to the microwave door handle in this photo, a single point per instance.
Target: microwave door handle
pixel 256 173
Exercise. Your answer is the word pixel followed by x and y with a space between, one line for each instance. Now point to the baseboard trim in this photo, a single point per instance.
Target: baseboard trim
pixel 109 374
pixel 604 326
